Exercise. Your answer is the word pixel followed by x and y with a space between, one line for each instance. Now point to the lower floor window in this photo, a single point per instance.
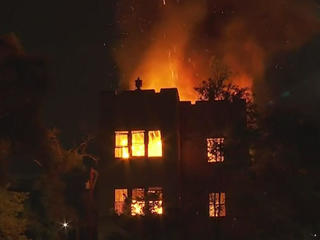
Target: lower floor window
pixel 120 197
pixel 217 207
pixel 137 202
pixel 141 201
pixel 155 200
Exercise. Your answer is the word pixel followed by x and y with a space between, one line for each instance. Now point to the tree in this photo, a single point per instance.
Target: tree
pixel 32 159
pixel 60 190
pixel 13 222
pixel 285 173
pixel 220 88
pixel 22 84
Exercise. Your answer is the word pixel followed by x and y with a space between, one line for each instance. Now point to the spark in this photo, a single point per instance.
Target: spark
pixel 170 65
pixel 38 163
pixel 65 225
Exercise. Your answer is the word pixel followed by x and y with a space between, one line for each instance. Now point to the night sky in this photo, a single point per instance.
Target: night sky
pixel 98 45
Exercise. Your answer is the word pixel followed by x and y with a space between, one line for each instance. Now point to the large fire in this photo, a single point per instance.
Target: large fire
pixel 165 63
pixel 171 43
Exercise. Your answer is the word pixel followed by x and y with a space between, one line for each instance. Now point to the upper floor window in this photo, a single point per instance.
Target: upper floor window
pixel 215 149
pixel 138 143
pixel 154 144
pixel 121 148
pixel 217 206
pixel 137 147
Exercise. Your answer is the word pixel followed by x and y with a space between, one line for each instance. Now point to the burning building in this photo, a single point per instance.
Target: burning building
pixel 162 157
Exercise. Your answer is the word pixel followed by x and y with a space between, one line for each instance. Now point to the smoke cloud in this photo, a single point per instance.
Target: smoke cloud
pixel 171 43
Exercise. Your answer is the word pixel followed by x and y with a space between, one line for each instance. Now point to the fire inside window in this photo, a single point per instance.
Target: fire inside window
pixel 121 149
pixel 137 203
pixel 155 144
pixel 137 144
pixel 217 207
pixel 215 149
pixel 155 200
pixel 137 147
pixel 142 200
pixel 120 196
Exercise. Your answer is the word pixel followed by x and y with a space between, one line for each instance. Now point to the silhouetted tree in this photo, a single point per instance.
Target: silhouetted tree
pixel 219 87
pixel 32 159
pixel 13 222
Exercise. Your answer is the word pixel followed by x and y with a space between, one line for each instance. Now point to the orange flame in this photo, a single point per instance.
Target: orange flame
pixel 171 44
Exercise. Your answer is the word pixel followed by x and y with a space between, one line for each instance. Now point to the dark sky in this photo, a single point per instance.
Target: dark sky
pixel 77 38
pixel 71 36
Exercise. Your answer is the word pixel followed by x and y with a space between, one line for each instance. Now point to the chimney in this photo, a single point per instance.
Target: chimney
pixel 138 84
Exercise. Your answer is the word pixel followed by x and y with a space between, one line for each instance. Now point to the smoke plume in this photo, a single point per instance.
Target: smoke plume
pixel 171 43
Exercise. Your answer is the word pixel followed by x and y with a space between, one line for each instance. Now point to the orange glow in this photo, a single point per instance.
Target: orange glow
pixel 173 60
pixel 217 205
pixel 121 148
pixel 173 48
pixel 164 63
pixel 215 149
pixel 137 207
pixel 155 200
pixel 137 147
pixel 156 207
pixel 120 196
pixel 137 203
pixel 155 144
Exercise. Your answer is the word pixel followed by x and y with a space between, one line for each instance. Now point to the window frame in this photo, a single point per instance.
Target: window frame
pixel 118 133
pixel 154 204
pixel 130 144
pixel 142 198
pixel 119 205
pixel 141 202
pixel 220 205
pixel 215 158
pixel 148 143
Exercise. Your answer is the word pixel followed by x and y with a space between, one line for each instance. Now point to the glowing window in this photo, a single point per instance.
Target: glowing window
pixel 120 196
pixel 155 200
pixel 121 149
pixel 217 207
pixel 215 149
pixel 137 146
pixel 137 203
pixel 154 144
